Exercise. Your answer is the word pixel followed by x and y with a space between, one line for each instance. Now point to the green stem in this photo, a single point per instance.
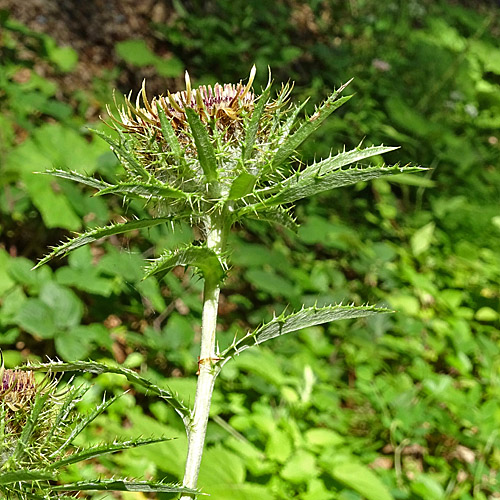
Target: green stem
pixel 207 372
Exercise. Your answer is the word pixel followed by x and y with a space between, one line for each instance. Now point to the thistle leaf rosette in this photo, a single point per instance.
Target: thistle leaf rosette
pixel 222 153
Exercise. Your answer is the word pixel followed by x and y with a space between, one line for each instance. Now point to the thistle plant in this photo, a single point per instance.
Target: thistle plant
pixel 214 157
pixel 38 425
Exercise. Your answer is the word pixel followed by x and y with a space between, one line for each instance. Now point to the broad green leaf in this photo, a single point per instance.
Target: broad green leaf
pixel 214 467
pixel 169 68
pixel 73 344
pixel 309 126
pixel 67 307
pixel 425 486
pixel 205 259
pixel 204 147
pixel 306 317
pixel 413 180
pixel 20 269
pixel 56 146
pixel 75 176
pixel 37 318
pixel 262 363
pixel 123 265
pixel 299 187
pixel 65 58
pixel 330 234
pixel 316 490
pixel 24 475
pixel 97 451
pixel 361 479
pixel 122 485
pixel 279 446
pixel 98 233
pixel 300 468
pixel 411 118
pixel 245 491
pixel 253 125
pixel 272 282
pixel 53 205
pixel 422 238
pixel 486 314
pixel 404 303
pixel 323 438
pixel 142 190
pixel 88 279
pixel 6 281
pixel 136 52
pixel 242 185
pixel 98 368
pixel 168 458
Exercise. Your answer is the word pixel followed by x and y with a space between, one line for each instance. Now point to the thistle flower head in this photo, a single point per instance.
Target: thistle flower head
pixel 222 105
pixel 18 389
pixel 182 151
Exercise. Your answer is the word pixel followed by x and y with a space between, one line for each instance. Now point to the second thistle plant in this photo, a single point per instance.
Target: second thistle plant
pixel 38 426
pixel 212 157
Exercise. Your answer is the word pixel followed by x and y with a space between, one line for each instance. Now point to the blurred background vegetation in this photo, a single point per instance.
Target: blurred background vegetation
pixel 405 406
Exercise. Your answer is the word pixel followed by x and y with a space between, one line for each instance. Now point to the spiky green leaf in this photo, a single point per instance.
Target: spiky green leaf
pixel 85 421
pixel 275 215
pixel 309 126
pixel 290 122
pixel 204 147
pixel 298 187
pixel 205 259
pixel 169 135
pixel 304 318
pixel 308 176
pixel 143 190
pixel 170 397
pixel 124 154
pixel 253 125
pixel 97 451
pixel 75 176
pixel 98 233
pixel 24 475
pixel 30 426
pixel 72 395
pixel 33 496
pixel 121 485
pixel 343 159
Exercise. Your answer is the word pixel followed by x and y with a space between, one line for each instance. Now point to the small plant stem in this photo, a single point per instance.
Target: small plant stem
pixel 207 372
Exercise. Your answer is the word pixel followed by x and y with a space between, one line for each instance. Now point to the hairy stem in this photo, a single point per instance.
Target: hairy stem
pixel 207 372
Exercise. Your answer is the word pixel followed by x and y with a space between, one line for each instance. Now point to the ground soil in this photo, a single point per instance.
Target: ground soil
pixel 92 28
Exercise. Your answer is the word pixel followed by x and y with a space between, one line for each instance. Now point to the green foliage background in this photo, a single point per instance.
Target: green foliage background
pixel 392 407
